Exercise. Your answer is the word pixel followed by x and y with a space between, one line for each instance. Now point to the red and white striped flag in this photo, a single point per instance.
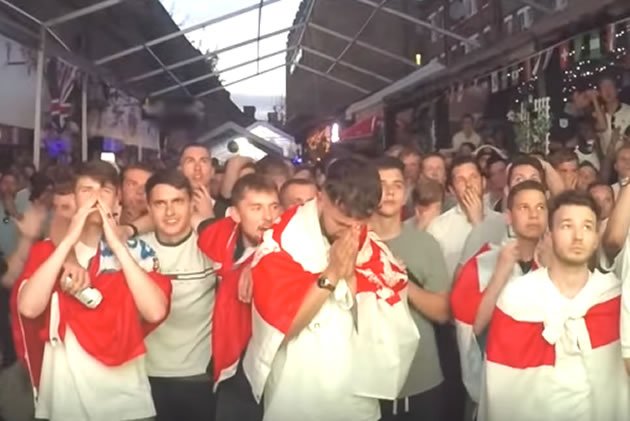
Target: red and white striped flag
pixel 551 358
pixel 378 353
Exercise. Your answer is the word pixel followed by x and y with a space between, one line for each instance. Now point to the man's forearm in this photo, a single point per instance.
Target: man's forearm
pixel 618 225
pixel 554 181
pixel 35 294
pixel 16 262
pixel 433 306
pixel 490 297
pixel 150 300
pixel 144 224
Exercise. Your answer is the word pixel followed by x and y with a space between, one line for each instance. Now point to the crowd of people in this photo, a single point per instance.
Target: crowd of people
pixel 472 284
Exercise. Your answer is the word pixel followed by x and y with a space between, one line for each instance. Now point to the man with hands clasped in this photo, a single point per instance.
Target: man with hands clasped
pixel 84 349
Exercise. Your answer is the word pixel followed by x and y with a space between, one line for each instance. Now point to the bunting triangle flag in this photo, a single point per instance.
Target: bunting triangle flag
pixel 578 46
pixel 494 82
pixel 564 56
pixel 527 69
pixel 548 55
pixel 505 82
pixel 611 37
pixel 537 63
pixel 515 76
pixel 595 44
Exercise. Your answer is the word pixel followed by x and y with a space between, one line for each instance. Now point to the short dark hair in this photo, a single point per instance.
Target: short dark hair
pixel 427 192
pixel 434 155
pixel 494 159
pixel 607 77
pixel 138 166
pixel 406 151
pixel 297 182
pixel 469 116
pixel 588 164
pixel 193 145
pixel 521 187
pixel 354 185
pixel 526 160
pixel 389 163
pixel 39 184
pixel 273 165
pixel 572 198
pixel 101 171
pixel 563 155
pixel 251 182
pixel 171 177
pixel 468 145
pixel 602 184
pixel 461 161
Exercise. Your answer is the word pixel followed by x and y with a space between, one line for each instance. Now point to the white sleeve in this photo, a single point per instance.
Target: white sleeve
pixel 625 319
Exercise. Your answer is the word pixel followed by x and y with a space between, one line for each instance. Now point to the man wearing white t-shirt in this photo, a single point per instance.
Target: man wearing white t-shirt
pixel 179 350
pixel 616 114
pixel 467 133
pixel 451 229
pixel 81 336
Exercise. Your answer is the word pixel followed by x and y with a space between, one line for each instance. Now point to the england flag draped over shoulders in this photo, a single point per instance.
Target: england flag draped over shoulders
pixel 466 298
pixel 553 358
pixel 381 341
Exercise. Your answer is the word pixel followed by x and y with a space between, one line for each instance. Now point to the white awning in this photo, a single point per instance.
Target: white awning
pixel 377 97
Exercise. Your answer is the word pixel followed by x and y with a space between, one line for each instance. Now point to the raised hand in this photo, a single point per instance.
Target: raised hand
pixel 74 278
pixel 473 206
pixel 343 256
pixel 202 203
pixel 78 222
pixel 110 226
pixel 32 222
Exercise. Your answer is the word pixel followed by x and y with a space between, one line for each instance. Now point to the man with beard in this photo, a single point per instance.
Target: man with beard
pixel 82 337
pixel 482 278
pixel 317 274
pixel 553 350
pixel 422 394
pixel 230 243
pixel 179 350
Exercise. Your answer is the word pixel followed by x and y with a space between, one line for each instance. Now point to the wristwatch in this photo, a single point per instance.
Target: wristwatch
pixel 325 284
pixel 624 182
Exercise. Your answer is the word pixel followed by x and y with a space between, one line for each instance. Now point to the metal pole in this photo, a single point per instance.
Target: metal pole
pixel 195 59
pixel 37 21
pixel 218 72
pixel 37 129
pixel 356 36
pixel 419 22
pixel 182 32
pixel 84 120
pixel 333 78
pixel 306 21
pixel 170 73
pixel 363 44
pixel 348 65
pixel 221 88
pixel 82 12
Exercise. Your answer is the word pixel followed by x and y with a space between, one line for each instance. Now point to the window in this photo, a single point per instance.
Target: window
pixel 525 18
pixel 562 4
pixel 471 7
pixel 486 35
pixel 508 25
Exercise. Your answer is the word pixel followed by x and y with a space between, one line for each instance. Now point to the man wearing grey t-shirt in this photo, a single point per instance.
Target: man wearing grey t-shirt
pixel 422 394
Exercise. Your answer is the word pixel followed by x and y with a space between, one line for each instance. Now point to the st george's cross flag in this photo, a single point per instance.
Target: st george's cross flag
pixel 380 343
pixel 549 357
pixel 231 318
pixel 112 333
pixel 466 298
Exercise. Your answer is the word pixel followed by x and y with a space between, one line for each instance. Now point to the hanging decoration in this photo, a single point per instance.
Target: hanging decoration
pixel 61 79
pixel 318 143
pixel 531 124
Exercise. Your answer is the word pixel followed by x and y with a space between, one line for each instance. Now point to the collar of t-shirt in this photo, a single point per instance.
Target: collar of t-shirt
pixel 526 266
